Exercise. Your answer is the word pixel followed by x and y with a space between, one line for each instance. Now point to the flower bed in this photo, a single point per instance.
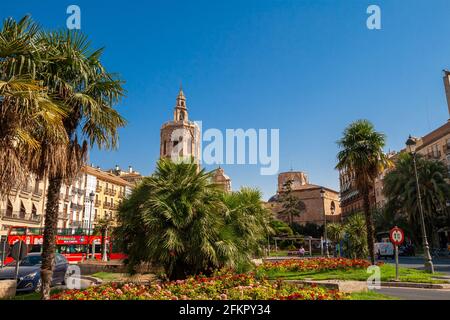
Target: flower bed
pixel 223 286
pixel 313 264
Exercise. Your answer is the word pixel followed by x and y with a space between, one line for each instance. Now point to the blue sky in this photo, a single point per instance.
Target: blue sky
pixel 308 68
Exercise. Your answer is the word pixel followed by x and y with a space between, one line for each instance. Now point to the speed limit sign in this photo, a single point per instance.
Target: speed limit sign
pixel 397 236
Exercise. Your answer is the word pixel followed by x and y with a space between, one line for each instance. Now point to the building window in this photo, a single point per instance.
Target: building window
pixel 33 211
pixel 22 212
pixel 9 209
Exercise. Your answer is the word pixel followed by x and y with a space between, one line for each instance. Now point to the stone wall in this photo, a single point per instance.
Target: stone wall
pixel 7 289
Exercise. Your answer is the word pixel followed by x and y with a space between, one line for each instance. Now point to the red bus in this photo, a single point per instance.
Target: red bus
pixel 74 244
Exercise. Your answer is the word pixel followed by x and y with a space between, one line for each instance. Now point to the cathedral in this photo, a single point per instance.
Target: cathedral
pixel 180 139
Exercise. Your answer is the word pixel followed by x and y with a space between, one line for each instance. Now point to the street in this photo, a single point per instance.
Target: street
pixel 441 265
pixel 416 294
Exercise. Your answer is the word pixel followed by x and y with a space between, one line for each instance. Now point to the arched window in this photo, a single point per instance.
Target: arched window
pixel 22 212
pixel 9 209
pixel 333 207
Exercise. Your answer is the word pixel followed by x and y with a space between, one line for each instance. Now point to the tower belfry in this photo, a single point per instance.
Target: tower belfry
pixel 180 113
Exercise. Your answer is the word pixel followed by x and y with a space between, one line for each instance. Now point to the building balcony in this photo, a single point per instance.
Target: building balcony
pixel 98 203
pixel 98 189
pixel 110 192
pixel 447 148
pixel 434 155
pixel 20 216
pixel 37 193
pixel 76 206
pixel 107 205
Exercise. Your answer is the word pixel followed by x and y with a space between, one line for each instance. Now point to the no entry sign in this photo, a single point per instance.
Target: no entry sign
pixel 397 236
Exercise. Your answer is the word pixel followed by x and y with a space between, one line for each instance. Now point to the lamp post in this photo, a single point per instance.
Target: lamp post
pixel 411 147
pixel 91 200
pixel 322 196
pixel 104 249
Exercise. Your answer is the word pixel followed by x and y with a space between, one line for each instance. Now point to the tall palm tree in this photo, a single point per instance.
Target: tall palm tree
pixel 362 156
pixel 400 188
pixel 75 75
pixel 29 114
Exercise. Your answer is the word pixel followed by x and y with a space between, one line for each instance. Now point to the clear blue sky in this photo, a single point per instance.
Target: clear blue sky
pixel 308 68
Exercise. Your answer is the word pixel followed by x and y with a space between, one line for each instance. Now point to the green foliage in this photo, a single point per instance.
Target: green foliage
pixel 280 228
pixel 355 238
pixel 400 188
pixel 179 219
pixel 308 229
pixel 335 232
pixel 291 205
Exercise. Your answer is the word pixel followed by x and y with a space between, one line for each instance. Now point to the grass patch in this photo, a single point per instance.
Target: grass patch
pixel 108 276
pixel 387 274
pixel 370 295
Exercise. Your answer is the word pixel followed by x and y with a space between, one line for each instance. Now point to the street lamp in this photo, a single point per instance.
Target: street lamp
pixel 411 148
pixel 104 249
pixel 91 200
pixel 322 195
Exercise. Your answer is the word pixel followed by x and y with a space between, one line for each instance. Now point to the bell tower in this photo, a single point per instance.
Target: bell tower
pixel 180 138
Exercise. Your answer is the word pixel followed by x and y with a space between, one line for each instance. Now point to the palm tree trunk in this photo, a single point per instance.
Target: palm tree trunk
pixel 49 239
pixel 369 225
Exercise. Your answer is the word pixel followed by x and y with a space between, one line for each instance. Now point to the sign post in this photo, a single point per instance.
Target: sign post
pixel 397 236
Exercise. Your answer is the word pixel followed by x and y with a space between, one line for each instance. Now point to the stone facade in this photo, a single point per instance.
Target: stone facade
pixel 315 208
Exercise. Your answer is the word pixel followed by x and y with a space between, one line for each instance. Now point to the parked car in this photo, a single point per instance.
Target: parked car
pixel 29 277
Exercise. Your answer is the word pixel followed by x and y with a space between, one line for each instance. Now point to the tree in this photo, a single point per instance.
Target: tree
pixel 362 157
pixel 179 219
pixel 400 188
pixel 291 205
pixel 102 227
pixel 335 232
pixel 247 225
pixel 29 114
pixel 61 66
pixel 355 237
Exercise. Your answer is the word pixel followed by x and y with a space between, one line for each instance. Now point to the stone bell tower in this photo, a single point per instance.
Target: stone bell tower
pixel 180 138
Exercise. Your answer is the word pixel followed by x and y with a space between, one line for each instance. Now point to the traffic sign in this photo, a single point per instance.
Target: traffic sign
pixel 397 236
pixel 19 250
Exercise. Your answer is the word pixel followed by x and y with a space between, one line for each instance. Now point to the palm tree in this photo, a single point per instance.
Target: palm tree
pixel 335 232
pixel 362 156
pixel 56 101
pixel 400 188
pixel 355 238
pixel 102 227
pixel 247 225
pixel 173 218
pixel 179 219
pixel 29 114
pixel 75 75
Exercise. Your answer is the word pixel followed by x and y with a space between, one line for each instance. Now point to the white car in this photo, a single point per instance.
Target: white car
pixel 385 250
